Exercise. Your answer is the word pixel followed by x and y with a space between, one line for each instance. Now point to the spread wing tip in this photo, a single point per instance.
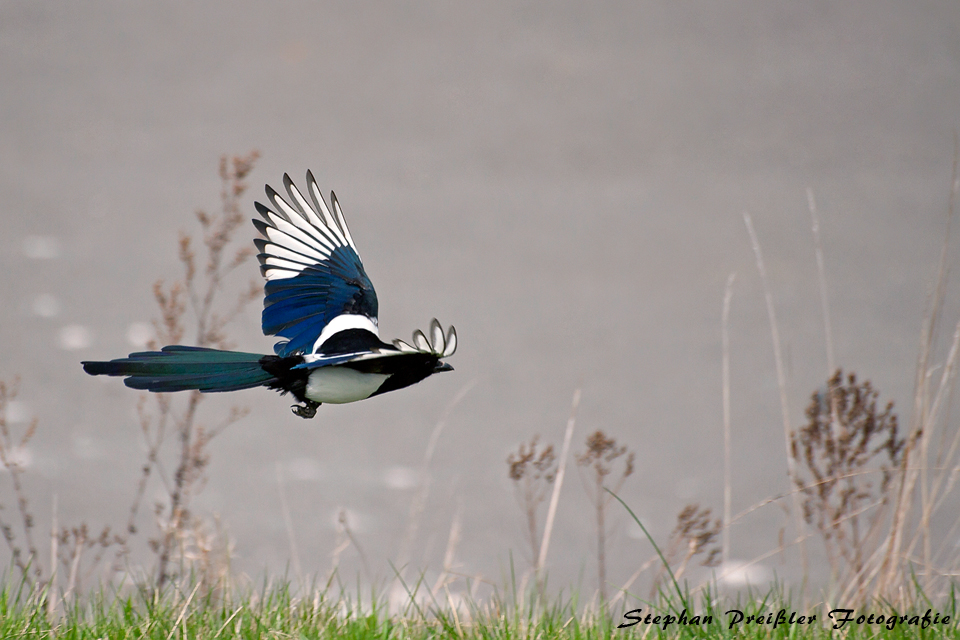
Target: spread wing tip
pixel 439 344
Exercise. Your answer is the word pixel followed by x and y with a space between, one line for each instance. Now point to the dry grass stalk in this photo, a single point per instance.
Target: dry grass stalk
pixel 822 279
pixel 695 534
pixel 624 591
pixel 727 455
pixel 598 461
pixel 781 384
pixel 341 545
pixel 926 420
pixel 558 484
pixel 419 501
pixel 532 471
pixel 72 543
pixel 11 458
pixel 288 524
pixel 446 576
pixel 343 524
pixel 52 599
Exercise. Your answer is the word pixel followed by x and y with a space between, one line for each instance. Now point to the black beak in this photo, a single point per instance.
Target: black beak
pixel 442 366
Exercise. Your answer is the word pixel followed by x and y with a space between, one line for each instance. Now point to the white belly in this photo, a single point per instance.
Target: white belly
pixel 338 385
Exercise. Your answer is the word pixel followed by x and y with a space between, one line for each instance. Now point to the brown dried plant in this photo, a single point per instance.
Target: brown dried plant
pixel 847 456
pixel 71 543
pixel 197 297
pixel 931 457
pixel 532 472
pixel 11 458
pixel 697 534
pixel 67 545
pixel 597 462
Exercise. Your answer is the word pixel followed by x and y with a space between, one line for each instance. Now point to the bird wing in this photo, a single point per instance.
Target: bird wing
pixel 320 360
pixel 438 345
pixel 316 284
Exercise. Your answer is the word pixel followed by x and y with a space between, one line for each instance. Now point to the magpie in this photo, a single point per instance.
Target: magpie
pixel 318 297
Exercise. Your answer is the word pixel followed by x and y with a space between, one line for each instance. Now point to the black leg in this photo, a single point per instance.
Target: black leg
pixel 306 410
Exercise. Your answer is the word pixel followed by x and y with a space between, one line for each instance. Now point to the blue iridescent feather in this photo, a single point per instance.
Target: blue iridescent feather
pixel 298 308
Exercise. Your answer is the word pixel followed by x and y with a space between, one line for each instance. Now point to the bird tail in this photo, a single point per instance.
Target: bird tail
pixel 179 368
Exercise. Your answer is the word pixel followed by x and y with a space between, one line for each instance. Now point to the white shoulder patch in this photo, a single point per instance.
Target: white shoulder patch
pixel 343 322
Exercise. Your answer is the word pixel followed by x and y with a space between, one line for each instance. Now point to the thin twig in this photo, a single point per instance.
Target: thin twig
pixel 288 522
pixel 781 384
pixel 920 426
pixel 822 277
pixel 346 530
pixel 558 483
pixel 54 551
pixel 727 484
pixel 448 557
pixel 78 543
pixel 420 500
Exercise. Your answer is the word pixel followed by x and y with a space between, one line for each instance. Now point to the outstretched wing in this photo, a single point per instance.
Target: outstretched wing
pixel 438 345
pixel 316 285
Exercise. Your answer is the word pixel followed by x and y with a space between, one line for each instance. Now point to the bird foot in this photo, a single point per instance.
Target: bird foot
pixel 306 410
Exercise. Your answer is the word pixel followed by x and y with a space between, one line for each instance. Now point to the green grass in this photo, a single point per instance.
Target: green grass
pixel 277 611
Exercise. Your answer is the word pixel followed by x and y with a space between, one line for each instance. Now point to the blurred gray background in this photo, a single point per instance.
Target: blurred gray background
pixel 564 182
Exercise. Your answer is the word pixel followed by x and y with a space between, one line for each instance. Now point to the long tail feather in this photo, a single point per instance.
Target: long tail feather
pixel 179 368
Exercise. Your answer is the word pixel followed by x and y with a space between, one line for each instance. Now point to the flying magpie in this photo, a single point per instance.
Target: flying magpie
pixel 319 298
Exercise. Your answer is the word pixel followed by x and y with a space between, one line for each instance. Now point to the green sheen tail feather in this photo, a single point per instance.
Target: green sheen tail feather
pixel 178 368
